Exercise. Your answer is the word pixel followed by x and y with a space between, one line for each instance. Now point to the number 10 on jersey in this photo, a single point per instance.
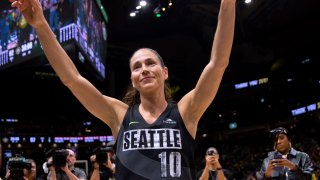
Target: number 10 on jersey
pixel 174 165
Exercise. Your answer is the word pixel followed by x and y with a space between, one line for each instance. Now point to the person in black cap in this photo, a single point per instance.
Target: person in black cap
pixel 285 162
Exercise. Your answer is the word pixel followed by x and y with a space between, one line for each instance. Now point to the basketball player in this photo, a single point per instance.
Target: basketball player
pixel 155 137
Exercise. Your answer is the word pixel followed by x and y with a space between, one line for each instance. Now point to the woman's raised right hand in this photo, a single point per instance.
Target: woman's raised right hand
pixel 31 10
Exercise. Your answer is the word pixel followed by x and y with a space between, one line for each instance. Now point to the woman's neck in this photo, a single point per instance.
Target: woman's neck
pixel 153 100
pixel 151 109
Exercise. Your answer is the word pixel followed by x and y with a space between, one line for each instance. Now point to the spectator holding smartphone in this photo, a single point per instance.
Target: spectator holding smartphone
pixel 285 162
pixel 213 169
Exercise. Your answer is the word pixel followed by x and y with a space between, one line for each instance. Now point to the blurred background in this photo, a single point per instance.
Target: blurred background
pixel 272 79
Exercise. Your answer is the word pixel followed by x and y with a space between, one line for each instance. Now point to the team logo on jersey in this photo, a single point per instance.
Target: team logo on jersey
pixel 152 139
pixel 133 122
pixel 169 121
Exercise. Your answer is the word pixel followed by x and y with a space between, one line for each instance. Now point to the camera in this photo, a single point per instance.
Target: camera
pixel 59 157
pixel 102 154
pixel 16 165
pixel 102 157
pixel 211 152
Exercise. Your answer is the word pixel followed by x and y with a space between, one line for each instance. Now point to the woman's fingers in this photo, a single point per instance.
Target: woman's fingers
pixel 20 1
pixel 35 3
pixel 16 4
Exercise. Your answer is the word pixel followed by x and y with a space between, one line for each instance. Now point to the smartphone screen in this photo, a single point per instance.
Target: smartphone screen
pixel 277 156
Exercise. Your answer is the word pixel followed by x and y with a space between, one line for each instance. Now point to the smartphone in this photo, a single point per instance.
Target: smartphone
pixel 277 156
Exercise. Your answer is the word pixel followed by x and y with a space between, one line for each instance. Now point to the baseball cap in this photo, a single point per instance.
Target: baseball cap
pixel 279 130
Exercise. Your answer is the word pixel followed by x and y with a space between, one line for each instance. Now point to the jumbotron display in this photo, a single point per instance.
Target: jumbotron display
pixel 77 22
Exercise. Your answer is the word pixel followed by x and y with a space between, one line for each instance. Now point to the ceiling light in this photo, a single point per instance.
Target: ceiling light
pixel 233 125
pixel 305 61
pixel 143 3
pixel 133 14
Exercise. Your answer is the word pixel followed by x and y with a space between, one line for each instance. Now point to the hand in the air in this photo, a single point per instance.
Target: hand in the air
pixel 31 10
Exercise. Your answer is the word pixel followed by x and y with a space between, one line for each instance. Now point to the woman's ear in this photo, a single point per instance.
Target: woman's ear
pixel 166 73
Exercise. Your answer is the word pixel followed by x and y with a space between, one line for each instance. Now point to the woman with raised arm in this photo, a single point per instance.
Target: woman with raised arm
pixel 155 137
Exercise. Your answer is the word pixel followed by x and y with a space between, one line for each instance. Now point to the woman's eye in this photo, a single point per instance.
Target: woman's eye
pixel 136 68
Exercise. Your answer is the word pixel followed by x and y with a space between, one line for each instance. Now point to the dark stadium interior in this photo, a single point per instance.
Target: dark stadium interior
pixel 274 39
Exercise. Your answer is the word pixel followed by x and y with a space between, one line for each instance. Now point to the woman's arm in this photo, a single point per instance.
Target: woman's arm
pixel 109 110
pixel 193 104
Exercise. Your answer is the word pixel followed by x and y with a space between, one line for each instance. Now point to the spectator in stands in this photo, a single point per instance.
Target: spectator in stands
pixel 4 31
pixel 285 162
pixel 68 171
pixel 54 16
pixel 213 169
pixel 31 174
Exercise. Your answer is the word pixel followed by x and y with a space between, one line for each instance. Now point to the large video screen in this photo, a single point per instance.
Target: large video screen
pixel 78 22
pixel 17 38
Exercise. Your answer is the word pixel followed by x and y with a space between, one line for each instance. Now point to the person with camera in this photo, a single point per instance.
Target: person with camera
pixel 63 168
pixel 21 170
pixel 213 169
pixel 31 174
pixel 285 162
pixel 102 166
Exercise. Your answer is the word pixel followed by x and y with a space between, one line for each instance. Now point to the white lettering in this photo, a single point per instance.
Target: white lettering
pixel 152 139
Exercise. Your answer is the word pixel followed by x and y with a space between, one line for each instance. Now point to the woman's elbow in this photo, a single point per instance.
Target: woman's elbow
pixel 72 81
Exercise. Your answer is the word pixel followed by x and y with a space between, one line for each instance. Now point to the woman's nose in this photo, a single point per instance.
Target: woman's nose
pixel 144 69
pixel 278 141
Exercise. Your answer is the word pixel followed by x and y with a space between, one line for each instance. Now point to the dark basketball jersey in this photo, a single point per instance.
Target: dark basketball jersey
pixel 162 150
